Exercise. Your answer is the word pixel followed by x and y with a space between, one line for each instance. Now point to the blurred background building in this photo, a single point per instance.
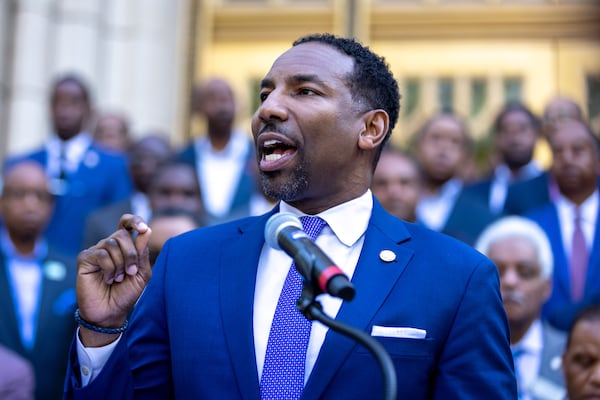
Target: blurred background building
pixel 142 56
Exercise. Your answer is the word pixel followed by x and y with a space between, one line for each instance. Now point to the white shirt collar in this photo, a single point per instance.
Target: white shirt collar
pixel 348 230
pixel 503 174
pixel 237 146
pixel 74 148
pixel 588 209
pixel 532 342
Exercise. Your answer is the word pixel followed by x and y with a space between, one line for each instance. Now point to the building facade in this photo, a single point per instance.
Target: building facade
pixel 142 56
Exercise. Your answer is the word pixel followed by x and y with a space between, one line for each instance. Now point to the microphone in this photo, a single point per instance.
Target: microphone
pixel 283 231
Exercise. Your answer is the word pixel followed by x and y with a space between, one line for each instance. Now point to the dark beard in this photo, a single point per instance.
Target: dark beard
pixel 517 161
pixel 288 191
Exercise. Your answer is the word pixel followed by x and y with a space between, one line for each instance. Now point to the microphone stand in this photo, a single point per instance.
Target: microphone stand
pixel 313 310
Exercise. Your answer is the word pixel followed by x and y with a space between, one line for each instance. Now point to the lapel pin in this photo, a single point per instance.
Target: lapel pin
pixel 91 159
pixel 55 270
pixel 555 363
pixel 387 256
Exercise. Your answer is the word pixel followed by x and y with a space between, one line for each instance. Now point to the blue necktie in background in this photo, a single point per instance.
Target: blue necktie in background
pixel 285 358
pixel 517 353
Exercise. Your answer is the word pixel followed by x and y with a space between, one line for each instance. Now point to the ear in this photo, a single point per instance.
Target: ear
pixel 376 123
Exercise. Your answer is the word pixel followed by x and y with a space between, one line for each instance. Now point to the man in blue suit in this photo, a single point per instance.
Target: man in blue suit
pixel 516 132
pixel 223 156
pixel 204 326
pixel 83 177
pixel 37 296
pixel 575 168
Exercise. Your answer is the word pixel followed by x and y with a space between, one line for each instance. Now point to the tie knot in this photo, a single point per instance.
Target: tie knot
pixel 577 215
pixel 312 226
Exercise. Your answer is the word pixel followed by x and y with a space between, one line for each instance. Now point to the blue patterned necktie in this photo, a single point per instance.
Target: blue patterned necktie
pixel 285 358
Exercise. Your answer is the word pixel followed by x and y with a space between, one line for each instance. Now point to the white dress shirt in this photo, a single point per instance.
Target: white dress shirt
pixel 25 278
pixel 528 364
pixel 342 240
pixel 434 210
pixel 503 177
pixel 140 205
pixel 74 148
pixel 219 172
pixel 566 216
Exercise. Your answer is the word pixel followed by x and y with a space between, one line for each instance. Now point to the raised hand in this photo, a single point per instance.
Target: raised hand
pixel 111 276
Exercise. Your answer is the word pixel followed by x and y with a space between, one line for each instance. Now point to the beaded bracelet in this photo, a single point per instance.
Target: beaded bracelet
pixel 95 328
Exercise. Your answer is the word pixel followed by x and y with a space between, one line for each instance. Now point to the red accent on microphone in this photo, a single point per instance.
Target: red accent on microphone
pixel 327 274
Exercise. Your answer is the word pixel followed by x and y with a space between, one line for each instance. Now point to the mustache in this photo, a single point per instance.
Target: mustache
pixel 513 296
pixel 271 127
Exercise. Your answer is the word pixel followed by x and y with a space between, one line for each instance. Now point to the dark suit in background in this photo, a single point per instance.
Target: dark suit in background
pixel 101 223
pixel 550 382
pixel 559 310
pixel 525 196
pixel 467 218
pixel 55 323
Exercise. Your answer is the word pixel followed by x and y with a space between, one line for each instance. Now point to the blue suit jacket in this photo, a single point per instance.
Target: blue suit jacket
pixel 528 195
pixel 55 323
pixel 191 334
pixel 101 179
pixel 559 310
pixel 468 218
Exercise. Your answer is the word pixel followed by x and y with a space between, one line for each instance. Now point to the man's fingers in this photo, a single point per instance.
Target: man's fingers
pixel 133 223
pixel 111 259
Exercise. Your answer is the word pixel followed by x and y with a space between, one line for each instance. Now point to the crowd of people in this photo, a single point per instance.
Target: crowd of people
pixel 321 136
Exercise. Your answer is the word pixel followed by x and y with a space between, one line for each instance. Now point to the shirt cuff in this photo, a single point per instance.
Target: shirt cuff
pixel 92 359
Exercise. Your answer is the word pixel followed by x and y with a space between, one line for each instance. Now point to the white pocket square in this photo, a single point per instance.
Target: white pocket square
pixel 398 332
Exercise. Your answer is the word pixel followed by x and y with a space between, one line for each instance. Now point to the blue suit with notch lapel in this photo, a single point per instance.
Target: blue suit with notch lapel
pixel 559 310
pixel 55 323
pixel 191 333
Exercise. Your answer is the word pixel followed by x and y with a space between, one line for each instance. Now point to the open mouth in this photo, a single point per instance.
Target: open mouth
pixel 274 150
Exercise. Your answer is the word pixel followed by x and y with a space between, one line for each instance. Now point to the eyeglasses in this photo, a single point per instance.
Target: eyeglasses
pixel 22 194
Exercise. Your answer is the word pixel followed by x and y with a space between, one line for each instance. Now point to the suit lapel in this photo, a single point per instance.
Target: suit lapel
pixel 561 262
pixel 238 273
pixel 9 325
pixel 383 233
pixel 593 269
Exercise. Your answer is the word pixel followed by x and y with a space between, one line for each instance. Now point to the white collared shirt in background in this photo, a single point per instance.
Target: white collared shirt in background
pixel 566 216
pixel 219 172
pixel 140 205
pixel 503 177
pixel 75 149
pixel 528 364
pixel 434 211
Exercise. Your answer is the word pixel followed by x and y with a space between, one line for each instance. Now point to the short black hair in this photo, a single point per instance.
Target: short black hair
pixel 512 107
pixel 75 79
pixel 371 81
pixel 589 313
pixel 443 114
